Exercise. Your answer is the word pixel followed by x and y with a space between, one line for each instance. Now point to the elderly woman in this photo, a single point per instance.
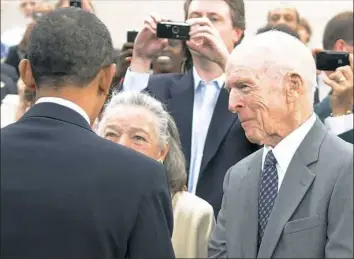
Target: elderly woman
pixel 138 121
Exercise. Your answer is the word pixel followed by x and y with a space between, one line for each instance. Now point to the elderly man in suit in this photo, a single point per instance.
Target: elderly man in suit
pixel 294 197
pixel 66 192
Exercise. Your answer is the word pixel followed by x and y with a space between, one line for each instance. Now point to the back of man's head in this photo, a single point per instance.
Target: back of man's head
pixel 68 47
pixel 340 27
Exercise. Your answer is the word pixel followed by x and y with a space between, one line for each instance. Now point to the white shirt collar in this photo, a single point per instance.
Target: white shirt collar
pixel 285 150
pixel 219 81
pixel 67 104
pixel 323 89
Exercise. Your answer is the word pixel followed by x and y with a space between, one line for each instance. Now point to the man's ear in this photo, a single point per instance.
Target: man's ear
pixel 105 79
pixel 237 35
pixel 26 74
pixel 294 86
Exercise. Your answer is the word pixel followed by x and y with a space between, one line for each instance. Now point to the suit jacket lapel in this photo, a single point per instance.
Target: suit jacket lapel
pixel 248 194
pixel 181 108
pixel 220 124
pixel 297 181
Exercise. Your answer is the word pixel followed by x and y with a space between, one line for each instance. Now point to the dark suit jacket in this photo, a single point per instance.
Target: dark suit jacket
pixel 226 143
pixel 10 71
pixel 324 110
pixel 13 58
pixel 67 193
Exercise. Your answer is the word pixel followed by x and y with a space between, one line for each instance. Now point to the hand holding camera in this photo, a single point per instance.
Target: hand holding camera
pixel 206 41
pixel 340 70
pixel 147 45
pixel 83 4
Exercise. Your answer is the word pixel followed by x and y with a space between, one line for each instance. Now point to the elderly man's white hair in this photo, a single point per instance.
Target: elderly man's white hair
pixel 276 50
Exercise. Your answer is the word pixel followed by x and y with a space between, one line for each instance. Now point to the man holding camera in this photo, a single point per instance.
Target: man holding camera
pixel 212 137
pixel 334 94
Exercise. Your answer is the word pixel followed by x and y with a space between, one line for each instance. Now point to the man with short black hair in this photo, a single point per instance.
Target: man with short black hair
pixel 64 189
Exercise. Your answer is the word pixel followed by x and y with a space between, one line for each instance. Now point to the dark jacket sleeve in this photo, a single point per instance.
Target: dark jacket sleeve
pixel 152 232
pixel 13 58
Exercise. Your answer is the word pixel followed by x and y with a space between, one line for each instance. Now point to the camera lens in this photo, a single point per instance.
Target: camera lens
pixel 175 29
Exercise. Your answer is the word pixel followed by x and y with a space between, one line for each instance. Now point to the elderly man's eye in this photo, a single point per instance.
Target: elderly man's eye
pixel 241 86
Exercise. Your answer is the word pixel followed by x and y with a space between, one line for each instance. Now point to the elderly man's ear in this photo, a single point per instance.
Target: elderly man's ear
pixel 294 86
pixel 26 74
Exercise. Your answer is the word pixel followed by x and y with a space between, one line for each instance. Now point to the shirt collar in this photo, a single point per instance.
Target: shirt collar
pixel 285 150
pixel 322 85
pixel 220 81
pixel 65 103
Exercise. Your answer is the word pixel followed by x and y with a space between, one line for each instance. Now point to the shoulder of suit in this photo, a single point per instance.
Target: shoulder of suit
pixel 334 144
pixel 247 161
pixel 115 153
pixel 191 204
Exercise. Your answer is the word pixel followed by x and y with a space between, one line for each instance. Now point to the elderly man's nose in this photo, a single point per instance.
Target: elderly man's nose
pixel 235 104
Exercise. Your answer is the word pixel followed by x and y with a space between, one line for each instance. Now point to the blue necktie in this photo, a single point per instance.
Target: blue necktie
pixel 267 193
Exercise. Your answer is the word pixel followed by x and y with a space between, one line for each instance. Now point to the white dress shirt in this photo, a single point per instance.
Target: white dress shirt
pixel 205 97
pixel 67 104
pixel 323 89
pixel 13 36
pixel 285 150
pixel 8 109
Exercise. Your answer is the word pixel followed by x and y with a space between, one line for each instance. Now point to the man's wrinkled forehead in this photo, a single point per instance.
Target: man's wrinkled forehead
pixel 248 59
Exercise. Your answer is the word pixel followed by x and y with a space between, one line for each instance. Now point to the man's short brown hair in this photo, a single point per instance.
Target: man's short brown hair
pixel 339 27
pixel 237 12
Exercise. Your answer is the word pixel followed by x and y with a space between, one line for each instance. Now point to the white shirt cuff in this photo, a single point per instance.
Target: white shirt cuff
pixel 135 82
pixel 340 124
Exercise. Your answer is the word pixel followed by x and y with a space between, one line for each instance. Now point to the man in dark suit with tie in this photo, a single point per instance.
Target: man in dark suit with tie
pixel 212 137
pixel 294 197
pixel 65 192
